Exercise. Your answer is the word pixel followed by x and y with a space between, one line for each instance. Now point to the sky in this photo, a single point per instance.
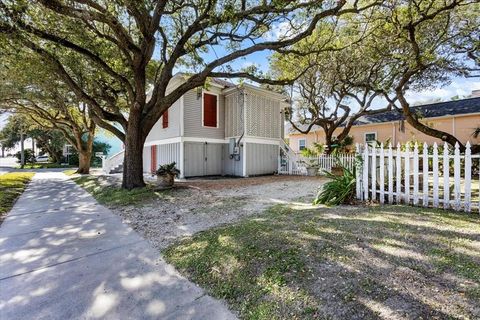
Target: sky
pixel 459 86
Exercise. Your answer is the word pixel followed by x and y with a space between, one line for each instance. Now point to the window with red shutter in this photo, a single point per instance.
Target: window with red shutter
pixel 209 110
pixel 165 120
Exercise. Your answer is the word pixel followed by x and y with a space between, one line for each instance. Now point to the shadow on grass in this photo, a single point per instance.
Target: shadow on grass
pixel 388 262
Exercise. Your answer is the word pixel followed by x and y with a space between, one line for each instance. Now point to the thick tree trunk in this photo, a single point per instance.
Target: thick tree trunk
pixel 328 140
pixel 84 158
pixel 133 161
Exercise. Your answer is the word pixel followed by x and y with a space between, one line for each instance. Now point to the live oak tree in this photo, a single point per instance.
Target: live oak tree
pixel 407 46
pixel 324 93
pixel 418 42
pixel 27 88
pixel 48 141
pixel 131 44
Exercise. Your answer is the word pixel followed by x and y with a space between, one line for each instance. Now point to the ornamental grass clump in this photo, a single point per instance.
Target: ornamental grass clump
pixel 340 190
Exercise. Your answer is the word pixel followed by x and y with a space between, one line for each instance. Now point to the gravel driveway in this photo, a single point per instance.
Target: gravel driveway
pixel 200 204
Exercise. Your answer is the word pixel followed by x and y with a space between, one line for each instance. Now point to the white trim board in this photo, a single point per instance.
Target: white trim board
pixel 261 140
pixel 162 141
pixel 244 163
pixel 210 140
pixel 182 111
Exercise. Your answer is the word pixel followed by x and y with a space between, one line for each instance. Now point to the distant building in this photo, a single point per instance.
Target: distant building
pixel 458 117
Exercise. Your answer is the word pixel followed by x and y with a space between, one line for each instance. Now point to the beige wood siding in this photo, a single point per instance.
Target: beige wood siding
pixel 166 153
pixel 192 115
pixel 261 159
pixel 173 130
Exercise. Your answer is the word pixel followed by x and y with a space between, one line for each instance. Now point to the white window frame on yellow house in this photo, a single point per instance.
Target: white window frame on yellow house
pixel 367 133
pixel 304 144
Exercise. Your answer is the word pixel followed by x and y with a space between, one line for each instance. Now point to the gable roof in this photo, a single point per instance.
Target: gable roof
pixel 433 110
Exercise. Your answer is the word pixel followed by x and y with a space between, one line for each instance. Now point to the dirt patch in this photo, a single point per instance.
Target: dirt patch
pixel 200 204
pixel 236 183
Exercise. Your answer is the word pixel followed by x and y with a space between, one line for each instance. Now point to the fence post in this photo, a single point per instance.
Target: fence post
pixel 365 173
pixel 435 174
pixel 446 177
pixel 456 176
pixel 398 197
pixel 390 174
pixel 425 174
pixel 407 173
pixel 374 173
pixel 415 174
pixel 468 177
pixel 382 174
pixel 358 173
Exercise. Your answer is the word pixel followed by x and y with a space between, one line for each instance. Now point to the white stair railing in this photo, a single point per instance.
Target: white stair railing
pixel 296 164
pixel 114 161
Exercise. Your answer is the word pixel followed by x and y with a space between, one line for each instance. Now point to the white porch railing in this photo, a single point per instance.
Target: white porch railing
pixel 113 162
pixel 425 178
pixel 294 164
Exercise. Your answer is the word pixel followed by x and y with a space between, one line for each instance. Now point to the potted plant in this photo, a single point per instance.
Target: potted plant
pixel 166 174
pixel 312 167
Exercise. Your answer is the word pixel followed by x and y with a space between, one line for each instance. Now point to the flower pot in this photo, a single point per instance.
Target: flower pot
pixel 337 171
pixel 165 181
pixel 312 171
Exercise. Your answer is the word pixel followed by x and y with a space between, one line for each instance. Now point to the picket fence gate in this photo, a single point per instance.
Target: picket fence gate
pixel 419 178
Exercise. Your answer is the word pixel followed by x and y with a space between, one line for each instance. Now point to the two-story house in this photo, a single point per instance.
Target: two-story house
pixel 227 129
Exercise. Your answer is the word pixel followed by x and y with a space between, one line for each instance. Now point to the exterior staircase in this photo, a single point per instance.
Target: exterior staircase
pixel 114 164
pixel 117 169
pixel 289 162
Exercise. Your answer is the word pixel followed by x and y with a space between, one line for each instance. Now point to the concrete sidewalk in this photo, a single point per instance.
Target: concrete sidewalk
pixel 64 256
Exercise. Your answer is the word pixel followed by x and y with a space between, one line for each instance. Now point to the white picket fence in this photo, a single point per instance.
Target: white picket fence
pixel 390 175
pixel 297 164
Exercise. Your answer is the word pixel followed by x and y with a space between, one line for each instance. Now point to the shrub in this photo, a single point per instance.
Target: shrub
pixel 29 156
pixel 341 189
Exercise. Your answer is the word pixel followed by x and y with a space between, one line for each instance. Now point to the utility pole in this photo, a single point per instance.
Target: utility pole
pixel 22 150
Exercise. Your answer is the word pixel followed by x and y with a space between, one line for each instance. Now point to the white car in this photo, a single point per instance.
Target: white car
pixel 43 158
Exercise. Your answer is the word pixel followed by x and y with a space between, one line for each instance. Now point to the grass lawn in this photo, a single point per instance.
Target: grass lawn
pixel 108 194
pixel 12 185
pixel 391 262
pixel 70 172
pixel 44 166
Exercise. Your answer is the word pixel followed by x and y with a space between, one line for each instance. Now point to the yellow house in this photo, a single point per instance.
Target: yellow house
pixel 459 118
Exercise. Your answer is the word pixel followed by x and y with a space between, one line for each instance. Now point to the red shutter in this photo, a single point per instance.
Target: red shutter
pixel 165 120
pixel 153 158
pixel 209 110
